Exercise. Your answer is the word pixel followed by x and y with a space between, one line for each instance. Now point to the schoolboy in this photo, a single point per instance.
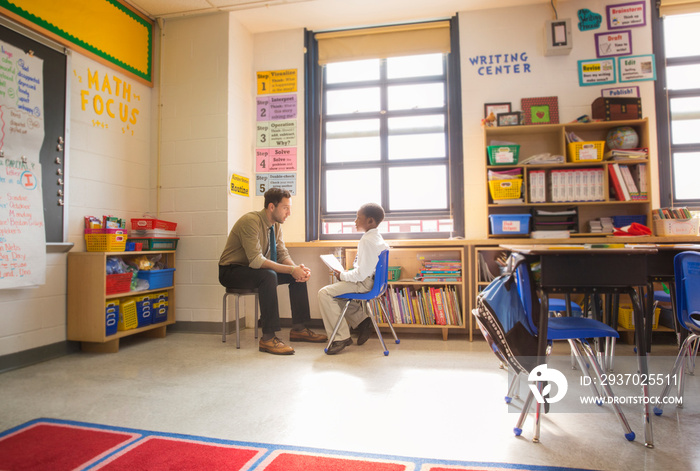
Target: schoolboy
pixel 358 280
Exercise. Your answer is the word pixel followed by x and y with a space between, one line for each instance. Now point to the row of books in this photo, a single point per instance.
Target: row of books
pixel 440 271
pixel 583 184
pixel 671 213
pixel 629 181
pixel 420 306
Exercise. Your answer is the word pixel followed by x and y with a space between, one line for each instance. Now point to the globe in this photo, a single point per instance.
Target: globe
pixel 623 137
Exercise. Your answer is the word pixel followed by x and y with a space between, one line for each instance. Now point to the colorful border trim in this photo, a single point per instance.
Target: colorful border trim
pixel 106 26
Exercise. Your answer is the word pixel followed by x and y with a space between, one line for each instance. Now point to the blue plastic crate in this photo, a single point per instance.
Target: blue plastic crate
pixel 111 317
pixel 622 221
pixel 158 278
pixel 510 224
pixel 160 312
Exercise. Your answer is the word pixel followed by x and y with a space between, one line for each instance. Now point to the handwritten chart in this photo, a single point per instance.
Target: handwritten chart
pixel 22 233
pixel 276 132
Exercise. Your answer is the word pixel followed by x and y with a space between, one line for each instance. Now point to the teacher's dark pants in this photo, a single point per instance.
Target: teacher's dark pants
pixel 266 281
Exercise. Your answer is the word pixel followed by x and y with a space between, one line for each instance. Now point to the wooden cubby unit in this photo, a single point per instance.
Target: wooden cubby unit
pixel 551 138
pixel 410 260
pixel 87 298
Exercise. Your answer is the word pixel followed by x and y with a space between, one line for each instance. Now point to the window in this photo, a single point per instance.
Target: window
pixel 677 42
pixel 382 135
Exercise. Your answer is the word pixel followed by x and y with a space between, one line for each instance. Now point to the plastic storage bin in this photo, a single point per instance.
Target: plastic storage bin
pixel 505 189
pixel 127 315
pixel 510 224
pixel 144 224
pixel 155 243
pixel 590 151
pixel 669 227
pixel 118 283
pixel 626 317
pixel 144 308
pixel 158 278
pixel 394 273
pixel 105 240
pixel 622 221
pixel 111 316
pixel 503 155
pixel 160 307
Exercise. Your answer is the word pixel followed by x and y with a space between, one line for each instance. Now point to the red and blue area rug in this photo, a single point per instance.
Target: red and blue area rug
pixel 57 445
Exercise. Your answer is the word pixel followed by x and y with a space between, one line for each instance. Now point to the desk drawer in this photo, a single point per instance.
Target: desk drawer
pixel 610 270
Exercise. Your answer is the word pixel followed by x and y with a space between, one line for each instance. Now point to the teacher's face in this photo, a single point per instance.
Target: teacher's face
pixel 281 212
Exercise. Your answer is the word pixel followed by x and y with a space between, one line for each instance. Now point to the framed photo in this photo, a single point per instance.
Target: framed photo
pixel 509 119
pixel 496 108
pixel 542 110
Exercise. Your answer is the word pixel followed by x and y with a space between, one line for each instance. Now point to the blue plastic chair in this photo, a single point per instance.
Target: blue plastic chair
pixel 686 269
pixel 559 305
pixel 575 330
pixel 381 280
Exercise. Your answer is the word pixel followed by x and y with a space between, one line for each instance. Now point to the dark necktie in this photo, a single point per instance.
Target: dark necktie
pixel 273 244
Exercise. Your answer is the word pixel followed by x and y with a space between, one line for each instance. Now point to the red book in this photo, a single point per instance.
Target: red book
pixel 616 183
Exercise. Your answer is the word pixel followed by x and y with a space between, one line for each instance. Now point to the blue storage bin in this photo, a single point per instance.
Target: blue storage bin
pixel 143 309
pixel 510 224
pixel 111 317
pixel 158 278
pixel 160 312
pixel 626 220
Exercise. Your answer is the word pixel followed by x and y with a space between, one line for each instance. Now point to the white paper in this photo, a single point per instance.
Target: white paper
pixel 332 262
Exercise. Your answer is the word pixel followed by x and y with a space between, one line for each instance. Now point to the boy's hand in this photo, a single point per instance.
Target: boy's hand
pixel 337 274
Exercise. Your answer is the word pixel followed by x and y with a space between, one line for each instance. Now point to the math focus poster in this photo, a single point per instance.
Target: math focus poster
pixel 22 232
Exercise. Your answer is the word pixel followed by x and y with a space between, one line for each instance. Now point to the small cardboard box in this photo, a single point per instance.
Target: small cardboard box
pixel 614 109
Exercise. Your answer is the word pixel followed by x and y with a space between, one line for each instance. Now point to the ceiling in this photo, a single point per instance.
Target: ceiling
pixel 260 16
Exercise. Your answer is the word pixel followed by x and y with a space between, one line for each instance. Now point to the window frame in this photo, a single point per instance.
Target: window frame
pixel 666 148
pixel 315 138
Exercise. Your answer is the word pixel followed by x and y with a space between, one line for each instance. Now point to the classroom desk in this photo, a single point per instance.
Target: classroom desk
pixel 660 269
pixel 574 269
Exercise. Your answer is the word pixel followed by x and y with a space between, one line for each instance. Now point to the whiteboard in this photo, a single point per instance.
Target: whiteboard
pixel 22 232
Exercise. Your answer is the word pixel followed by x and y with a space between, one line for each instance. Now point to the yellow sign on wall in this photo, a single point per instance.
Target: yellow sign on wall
pixel 277 81
pixel 109 30
pixel 240 185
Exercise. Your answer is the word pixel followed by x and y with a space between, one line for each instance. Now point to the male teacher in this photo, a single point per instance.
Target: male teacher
pixel 255 257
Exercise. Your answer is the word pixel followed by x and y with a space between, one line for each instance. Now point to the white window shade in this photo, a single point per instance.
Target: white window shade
pixel 678 7
pixel 383 42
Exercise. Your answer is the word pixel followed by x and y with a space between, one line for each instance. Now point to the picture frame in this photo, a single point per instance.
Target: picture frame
pixel 496 108
pixel 540 110
pixel 613 43
pixel 627 15
pixel 509 119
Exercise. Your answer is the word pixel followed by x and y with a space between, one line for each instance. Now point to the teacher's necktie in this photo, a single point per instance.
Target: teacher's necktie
pixel 273 244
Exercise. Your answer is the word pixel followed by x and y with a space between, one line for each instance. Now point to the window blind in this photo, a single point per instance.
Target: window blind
pixel 383 42
pixel 678 7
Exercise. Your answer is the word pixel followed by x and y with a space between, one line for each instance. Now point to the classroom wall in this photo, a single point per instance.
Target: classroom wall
pixel 203 116
pixel 521 30
pixel 108 171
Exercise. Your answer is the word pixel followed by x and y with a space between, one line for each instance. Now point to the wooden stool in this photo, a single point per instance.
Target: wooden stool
pixel 238 293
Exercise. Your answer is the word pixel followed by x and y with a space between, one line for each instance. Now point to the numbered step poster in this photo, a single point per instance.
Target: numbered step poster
pixel 276 131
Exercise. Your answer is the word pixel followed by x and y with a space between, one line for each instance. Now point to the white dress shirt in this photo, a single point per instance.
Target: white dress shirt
pixel 368 250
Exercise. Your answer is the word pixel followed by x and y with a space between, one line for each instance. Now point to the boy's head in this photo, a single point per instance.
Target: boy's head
pixel 369 216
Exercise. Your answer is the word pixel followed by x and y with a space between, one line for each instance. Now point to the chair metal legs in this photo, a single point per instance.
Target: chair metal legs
pixel 687 354
pixel 365 307
pixel 579 348
pixel 238 328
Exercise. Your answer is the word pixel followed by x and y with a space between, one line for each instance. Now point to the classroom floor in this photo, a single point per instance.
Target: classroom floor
pixel 428 398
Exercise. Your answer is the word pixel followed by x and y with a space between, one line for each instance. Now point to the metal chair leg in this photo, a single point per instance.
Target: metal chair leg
pixel 629 434
pixel 366 307
pixel 238 326
pixel 388 321
pixel 337 326
pixel 223 320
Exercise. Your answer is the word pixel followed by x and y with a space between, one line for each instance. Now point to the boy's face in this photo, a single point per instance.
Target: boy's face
pixel 363 223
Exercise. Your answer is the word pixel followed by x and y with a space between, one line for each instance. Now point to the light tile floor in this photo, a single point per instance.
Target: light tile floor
pixel 428 398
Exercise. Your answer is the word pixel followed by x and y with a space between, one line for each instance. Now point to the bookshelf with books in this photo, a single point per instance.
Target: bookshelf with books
pixel 598 182
pixel 429 292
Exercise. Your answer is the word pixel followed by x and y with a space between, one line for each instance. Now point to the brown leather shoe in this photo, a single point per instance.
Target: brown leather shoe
pixel 275 346
pixel 338 345
pixel 306 335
